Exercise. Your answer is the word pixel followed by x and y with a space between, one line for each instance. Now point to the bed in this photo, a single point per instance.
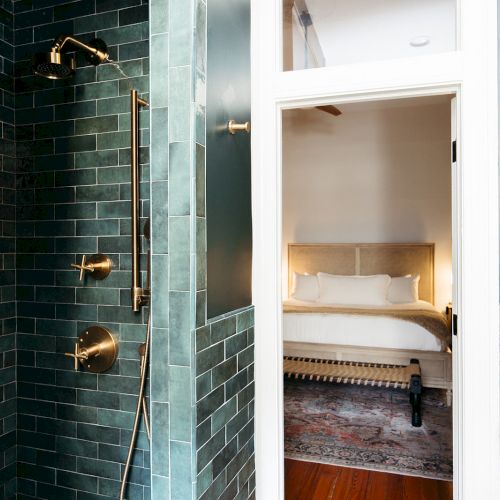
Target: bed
pixel 383 335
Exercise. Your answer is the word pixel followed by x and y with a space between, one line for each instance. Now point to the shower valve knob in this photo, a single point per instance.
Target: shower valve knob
pixel 96 349
pixel 98 265
pixel 78 355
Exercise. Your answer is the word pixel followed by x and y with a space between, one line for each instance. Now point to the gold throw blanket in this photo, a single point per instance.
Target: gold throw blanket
pixel 433 321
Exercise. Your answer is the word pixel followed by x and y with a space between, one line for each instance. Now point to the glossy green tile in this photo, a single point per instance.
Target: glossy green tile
pixel 180 403
pixel 179 325
pixel 159 71
pixel 179 86
pixel 160 439
pixel 180 178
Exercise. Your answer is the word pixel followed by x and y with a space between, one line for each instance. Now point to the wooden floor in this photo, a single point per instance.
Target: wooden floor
pixel 311 481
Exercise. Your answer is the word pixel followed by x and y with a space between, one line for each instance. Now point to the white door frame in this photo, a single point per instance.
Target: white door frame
pixel 471 71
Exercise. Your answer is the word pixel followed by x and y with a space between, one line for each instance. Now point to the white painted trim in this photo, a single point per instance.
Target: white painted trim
pixel 472 73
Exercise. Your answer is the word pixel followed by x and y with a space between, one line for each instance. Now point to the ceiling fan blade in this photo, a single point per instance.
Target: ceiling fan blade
pixel 332 110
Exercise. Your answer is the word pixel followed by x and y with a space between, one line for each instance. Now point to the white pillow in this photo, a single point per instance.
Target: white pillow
pixel 305 287
pixel 403 290
pixel 353 290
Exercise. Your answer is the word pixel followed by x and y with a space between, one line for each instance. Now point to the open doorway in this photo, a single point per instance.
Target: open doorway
pixel 367 293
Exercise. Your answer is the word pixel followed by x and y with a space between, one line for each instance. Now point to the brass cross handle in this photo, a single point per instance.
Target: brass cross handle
pixel 98 265
pixel 83 267
pixel 234 127
pixel 96 349
pixel 77 355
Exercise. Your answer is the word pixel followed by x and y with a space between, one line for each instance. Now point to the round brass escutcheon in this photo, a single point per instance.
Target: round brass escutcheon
pixel 101 348
pixel 101 265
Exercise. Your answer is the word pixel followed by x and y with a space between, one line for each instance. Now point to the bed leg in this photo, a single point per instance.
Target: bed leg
pixel 448 397
pixel 416 397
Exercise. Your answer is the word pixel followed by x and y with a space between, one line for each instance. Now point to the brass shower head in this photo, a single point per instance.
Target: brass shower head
pixel 57 65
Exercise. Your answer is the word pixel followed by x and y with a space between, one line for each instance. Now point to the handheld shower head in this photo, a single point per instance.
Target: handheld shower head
pixel 57 65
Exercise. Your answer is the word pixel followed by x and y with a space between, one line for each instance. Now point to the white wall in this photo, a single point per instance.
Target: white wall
pixel 366 30
pixel 378 173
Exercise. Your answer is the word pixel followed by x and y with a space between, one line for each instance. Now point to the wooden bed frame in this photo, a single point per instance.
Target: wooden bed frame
pixel 395 259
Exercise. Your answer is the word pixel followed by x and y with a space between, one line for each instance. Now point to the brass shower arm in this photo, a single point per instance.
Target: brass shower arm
pixel 64 39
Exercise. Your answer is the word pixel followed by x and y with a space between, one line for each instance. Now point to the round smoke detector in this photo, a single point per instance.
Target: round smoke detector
pixel 420 41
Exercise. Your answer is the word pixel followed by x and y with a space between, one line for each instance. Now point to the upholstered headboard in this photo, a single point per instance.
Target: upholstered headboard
pixel 394 259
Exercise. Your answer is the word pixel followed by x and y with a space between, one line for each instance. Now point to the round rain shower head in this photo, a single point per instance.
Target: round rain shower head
pixel 53 65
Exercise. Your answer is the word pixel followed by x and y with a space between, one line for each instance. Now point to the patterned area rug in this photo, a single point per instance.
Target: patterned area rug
pixel 368 427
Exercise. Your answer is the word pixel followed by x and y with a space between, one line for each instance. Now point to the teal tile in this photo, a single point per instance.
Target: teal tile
pixel 179 233
pixel 99 227
pixel 201 308
pixel 111 175
pixel 179 325
pixel 159 17
pixel 115 418
pixel 201 35
pixel 103 296
pixel 94 22
pixel 91 159
pixel 160 287
pixel 141 84
pixel 200 180
pixel 160 438
pixel 204 479
pixel 159 144
pixel 96 125
pixel 113 140
pixel 201 254
pixel 124 34
pixel 179 271
pixel 104 192
pixel 245 320
pixel 159 71
pixel 159 365
pixel 98 90
pixel 133 50
pixel 181 32
pixel 181 480
pixel 75 144
pixel 112 106
pixel 180 103
pixel 180 402
pixel 160 219
pixel 160 487
pixel 180 178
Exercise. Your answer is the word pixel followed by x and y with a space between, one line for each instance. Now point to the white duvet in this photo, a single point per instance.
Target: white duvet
pixel 357 330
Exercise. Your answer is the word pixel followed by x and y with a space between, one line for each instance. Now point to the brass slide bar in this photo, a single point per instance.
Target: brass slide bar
pixel 139 295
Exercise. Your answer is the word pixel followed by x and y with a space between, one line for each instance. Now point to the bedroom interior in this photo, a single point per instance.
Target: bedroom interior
pixel 367 291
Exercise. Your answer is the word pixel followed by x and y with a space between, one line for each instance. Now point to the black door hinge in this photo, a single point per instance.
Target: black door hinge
pixel 455 324
pixel 454 152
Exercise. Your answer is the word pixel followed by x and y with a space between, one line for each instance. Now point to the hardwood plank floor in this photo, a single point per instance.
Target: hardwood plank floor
pixel 311 481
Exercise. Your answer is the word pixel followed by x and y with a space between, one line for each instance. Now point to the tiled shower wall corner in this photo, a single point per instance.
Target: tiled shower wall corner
pixel 173 402
pixel 73 192
pixel 224 346
pixel 203 419
pixel 225 407
pixel 7 248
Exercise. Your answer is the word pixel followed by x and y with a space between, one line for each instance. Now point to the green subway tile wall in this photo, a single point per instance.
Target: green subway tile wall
pixel 65 163
pixel 7 245
pixel 73 192
pixel 203 417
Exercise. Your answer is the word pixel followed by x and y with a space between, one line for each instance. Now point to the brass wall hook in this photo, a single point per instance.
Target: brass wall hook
pixel 96 349
pixel 234 127
pixel 98 265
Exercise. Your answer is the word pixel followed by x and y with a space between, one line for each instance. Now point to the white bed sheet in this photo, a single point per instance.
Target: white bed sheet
pixel 357 330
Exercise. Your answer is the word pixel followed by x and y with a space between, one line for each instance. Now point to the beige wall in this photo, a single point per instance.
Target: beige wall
pixel 378 173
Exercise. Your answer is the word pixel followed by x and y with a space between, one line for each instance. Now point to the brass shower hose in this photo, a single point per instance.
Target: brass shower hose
pixel 140 404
